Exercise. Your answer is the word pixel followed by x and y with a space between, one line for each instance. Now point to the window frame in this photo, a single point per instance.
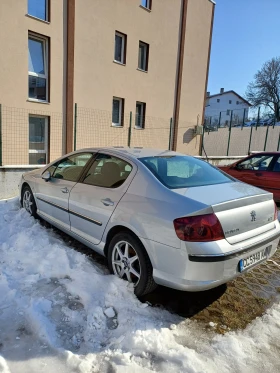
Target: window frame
pixel 46 148
pixel 45 40
pixel 47 11
pixel 146 54
pixel 148 4
pixel 121 111
pixel 123 50
pixel 143 114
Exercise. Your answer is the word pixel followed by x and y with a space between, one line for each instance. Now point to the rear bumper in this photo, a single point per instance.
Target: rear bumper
pixel 177 269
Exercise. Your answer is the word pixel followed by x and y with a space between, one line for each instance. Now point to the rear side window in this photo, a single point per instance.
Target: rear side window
pixel 183 172
pixel 107 172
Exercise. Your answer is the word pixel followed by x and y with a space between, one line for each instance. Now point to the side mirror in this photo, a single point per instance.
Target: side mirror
pixel 46 176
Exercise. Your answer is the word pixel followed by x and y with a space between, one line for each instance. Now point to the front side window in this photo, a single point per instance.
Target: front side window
pixel 71 168
pixel 256 163
pixel 37 67
pixel 146 4
pixel 140 114
pixel 143 56
pixel 38 9
pixel 117 111
pixel 184 172
pixel 108 172
pixel 38 139
pixel 120 47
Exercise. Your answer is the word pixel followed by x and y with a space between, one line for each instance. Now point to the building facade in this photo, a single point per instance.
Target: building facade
pixel 224 107
pixel 130 66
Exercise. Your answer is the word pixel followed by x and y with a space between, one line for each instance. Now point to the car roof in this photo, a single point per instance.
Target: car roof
pixel 135 152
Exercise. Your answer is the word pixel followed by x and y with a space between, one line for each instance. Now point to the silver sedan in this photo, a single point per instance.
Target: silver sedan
pixel 159 217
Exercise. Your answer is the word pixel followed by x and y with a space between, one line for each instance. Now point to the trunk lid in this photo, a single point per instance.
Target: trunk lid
pixel 244 211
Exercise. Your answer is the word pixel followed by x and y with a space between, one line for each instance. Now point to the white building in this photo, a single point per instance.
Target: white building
pixel 221 106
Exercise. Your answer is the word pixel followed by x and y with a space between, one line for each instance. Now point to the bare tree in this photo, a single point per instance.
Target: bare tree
pixel 265 88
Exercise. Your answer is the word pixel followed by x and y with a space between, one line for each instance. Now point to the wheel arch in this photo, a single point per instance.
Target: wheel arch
pixel 121 228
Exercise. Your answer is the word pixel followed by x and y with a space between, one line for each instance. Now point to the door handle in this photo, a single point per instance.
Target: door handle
pixel 259 174
pixel 64 190
pixel 107 202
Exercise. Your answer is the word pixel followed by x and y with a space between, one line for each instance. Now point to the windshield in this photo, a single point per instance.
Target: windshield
pixel 184 172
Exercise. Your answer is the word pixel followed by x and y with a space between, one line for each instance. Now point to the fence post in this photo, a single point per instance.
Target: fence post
pixel 266 135
pixel 259 109
pixel 202 140
pixel 229 131
pixel 170 134
pixel 244 115
pixel 250 140
pixel 1 160
pixel 220 117
pixel 278 143
pixel 75 127
pixel 129 130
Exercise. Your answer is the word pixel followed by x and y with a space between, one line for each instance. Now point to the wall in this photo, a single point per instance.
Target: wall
pixel 215 143
pixel 14 27
pixel 194 78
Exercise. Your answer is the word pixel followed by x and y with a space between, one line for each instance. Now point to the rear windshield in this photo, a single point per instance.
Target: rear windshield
pixel 183 172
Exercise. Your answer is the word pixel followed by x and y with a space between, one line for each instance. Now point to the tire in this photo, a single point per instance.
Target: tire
pixel 28 201
pixel 125 246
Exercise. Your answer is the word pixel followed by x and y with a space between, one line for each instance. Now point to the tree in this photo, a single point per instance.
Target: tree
pixel 265 88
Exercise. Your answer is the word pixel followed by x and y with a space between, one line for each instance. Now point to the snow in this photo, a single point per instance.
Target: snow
pixel 62 312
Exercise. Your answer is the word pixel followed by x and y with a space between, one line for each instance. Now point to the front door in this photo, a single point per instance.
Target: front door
pixel 52 196
pixel 93 200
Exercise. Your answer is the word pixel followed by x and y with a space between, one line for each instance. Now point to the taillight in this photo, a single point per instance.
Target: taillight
pixel 275 212
pixel 199 228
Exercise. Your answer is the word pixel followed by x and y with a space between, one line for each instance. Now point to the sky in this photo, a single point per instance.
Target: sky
pixel 246 34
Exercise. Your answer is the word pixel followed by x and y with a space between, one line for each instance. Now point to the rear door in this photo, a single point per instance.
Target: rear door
pixel 52 196
pixel 270 180
pixel 93 199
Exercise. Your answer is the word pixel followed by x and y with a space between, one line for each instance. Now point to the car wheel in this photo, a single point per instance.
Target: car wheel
pixel 128 260
pixel 28 201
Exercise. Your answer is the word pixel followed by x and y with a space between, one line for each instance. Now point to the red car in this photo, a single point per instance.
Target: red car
pixel 260 169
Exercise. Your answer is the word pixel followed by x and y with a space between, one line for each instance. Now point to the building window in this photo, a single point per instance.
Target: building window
pixel 147 4
pixel 38 140
pixel 38 67
pixel 218 100
pixel 229 102
pixel 228 112
pixel 38 9
pixel 140 114
pixel 120 47
pixel 117 112
pixel 143 56
pixel 237 102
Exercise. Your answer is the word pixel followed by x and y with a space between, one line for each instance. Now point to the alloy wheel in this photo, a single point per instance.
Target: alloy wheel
pixel 27 201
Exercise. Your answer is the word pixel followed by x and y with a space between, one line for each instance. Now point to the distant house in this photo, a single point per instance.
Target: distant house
pixel 219 107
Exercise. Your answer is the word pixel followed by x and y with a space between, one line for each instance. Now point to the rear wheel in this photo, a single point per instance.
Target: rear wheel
pixel 28 201
pixel 128 260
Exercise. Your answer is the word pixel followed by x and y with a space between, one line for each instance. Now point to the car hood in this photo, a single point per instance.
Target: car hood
pixel 37 171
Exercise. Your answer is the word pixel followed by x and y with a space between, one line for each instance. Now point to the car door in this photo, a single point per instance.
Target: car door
pixel 252 170
pixel 52 195
pixel 93 199
pixel 270 179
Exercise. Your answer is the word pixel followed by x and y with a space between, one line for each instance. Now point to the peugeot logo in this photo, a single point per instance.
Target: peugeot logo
pixel 253 215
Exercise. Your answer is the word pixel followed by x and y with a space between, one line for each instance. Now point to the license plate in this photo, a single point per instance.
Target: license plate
pixel 253 259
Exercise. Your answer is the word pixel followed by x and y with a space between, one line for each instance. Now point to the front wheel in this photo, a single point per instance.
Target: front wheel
pixel 128 260
pixel 28 201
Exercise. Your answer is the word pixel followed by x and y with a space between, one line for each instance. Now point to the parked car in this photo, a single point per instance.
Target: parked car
pixel 159 217
pixel 260 169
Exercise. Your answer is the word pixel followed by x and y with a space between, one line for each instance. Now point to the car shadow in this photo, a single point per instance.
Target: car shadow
pixel 183 303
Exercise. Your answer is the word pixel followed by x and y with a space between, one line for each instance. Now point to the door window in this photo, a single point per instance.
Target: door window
pixel 276 167
pixel 70 168
pixel 256 163
pixel 108 172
